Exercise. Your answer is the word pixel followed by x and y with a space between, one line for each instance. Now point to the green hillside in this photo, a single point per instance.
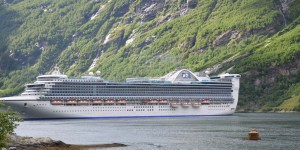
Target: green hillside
pixel 129 38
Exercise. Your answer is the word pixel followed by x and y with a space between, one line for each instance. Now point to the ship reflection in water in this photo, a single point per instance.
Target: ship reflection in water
pixel 277 131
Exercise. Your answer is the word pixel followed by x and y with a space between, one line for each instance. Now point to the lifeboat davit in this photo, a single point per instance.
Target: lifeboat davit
pixel 56 102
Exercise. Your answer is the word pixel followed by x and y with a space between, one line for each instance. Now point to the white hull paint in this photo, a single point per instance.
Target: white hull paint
pixel 180 93
pixel 36 109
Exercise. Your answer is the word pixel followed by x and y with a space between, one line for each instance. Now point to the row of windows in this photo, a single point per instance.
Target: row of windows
pixel 163 106
pixel 108 107
pixel 218 106
pixel 204 96
pixel 199 87
pixel 121 104
pixel 97 84
pixel 166 109
pixel 90 110
pixel 216 109
pixel 140 98
pixel 144 110
pixel 109 104
pixel 143 107
pixel 104 110
pixel 137 94
pixel 144 92
pixel 143 87
pixel 228 89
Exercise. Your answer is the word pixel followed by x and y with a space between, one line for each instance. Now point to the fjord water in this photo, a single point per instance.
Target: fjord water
pixel 277 130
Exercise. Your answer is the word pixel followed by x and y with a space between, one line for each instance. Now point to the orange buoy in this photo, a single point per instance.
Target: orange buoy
pixel 253 135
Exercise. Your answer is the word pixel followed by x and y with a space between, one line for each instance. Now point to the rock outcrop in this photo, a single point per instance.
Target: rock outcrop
pixel 148 10
pixel 30 143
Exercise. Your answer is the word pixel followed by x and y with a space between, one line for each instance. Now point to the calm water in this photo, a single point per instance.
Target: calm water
pixel 278 131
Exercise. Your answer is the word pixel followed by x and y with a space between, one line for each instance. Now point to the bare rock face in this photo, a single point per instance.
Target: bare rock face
pixel 283 8
pixel 215 69
pixel 148 9
pixel 285 5
pixel 189 42
pixel 121 10
pixel 274 72
pixel 225 38
pixel 192 3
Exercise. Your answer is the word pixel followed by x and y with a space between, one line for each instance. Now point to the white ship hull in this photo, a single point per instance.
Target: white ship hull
pixel 180 93
pixel 36 109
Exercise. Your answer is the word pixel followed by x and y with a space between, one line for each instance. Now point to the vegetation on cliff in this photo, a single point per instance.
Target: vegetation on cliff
pixel 8 122
pixel 126 38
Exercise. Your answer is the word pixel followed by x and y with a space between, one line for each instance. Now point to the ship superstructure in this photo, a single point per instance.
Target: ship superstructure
pixel 179 93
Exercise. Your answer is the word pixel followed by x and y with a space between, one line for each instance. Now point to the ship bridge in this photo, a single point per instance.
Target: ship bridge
pixel 181 76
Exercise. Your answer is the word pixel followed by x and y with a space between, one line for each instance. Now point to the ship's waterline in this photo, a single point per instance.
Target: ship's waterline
pixel 180 93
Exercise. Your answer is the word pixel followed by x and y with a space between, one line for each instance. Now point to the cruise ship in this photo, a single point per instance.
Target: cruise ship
pixel 177 94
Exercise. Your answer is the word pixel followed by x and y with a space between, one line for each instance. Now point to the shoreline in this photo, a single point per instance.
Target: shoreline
pixel 261 111
pixel 45 143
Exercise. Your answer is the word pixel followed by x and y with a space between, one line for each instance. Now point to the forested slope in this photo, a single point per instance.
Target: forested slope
pixel 129 38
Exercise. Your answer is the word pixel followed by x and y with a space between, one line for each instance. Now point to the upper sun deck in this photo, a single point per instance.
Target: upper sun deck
pixel 181 76
pixel 53 76
pixel 50 77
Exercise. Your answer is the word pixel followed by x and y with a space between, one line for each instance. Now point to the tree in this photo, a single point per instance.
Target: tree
pixel 8 122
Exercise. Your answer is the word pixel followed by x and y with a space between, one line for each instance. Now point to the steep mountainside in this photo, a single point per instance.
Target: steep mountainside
pixel 125 38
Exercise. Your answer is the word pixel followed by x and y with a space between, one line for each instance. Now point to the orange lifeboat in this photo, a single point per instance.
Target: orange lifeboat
pixel 196 104
pixel 110 101
pixel 146 101
pixel 163 101
pixel 153 101
pixel 253 135
pixel 122 101
pixel 71 102
pixel 185 104
pixel 175 105
pixel 205 102
pixel 97 101
pixel 56 102
pixel 83 101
